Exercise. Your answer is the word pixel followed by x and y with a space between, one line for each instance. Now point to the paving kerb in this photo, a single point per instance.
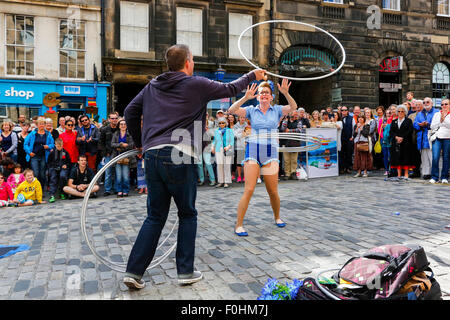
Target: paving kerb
pixel 328 221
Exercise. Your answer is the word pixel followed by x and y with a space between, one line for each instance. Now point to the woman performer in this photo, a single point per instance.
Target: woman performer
pixel 262 153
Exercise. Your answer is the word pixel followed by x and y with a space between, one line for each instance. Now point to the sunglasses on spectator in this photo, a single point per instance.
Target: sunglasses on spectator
pixel 114 118
pixel 446 104
pixel 69 125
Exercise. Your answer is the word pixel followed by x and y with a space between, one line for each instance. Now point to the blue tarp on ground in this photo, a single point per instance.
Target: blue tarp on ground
pixel 6 251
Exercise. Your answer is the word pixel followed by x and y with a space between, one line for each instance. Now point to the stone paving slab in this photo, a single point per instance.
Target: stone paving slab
pixel 328 221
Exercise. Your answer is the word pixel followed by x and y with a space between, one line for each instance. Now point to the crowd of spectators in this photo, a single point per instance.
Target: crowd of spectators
pixel 404 141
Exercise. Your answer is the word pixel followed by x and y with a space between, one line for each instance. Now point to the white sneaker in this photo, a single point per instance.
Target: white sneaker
pixel 133 283
pixel 259 180
pixel 444 181
pixel 432 181
pixel 194 277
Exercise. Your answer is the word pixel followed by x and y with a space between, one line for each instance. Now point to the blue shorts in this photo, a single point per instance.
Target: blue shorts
pixel 261 153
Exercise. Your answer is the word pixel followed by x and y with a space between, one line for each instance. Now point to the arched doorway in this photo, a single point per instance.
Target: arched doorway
pixel 306 61
pixel 441 83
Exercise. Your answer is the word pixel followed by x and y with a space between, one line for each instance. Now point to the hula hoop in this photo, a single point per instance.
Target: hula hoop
pixel 119 267
pixel 296 22
pixel 315 143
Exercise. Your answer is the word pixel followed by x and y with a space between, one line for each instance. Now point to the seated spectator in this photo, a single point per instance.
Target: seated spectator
pixel 28 192
pixel 16 178
pixel 440 124
pixel 79 179
pixel 58 169
pixel 6 194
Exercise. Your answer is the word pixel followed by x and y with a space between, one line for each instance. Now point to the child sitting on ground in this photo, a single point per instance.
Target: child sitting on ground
pixel 28 192
pixel 6 194
pixel 16 177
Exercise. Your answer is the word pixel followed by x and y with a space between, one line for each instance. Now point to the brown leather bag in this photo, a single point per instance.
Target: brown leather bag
pixel 363 147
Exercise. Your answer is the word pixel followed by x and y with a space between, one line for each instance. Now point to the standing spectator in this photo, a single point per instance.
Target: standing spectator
pixel 303 124
pixel 8 141
pixel 402 145
pixel 141 183
pixel 222 147
pixel 380 120
pixel 62 125
pixel 106 134
pixel 231 123
pixel 356 113
pixel 21 154
pixel 422 123
pixel 386 141
pixel 316 120
pixel 16 177
pixel 441 126
pixel 205 158
pixel 363 158
pixel 20 121
pixel 290 158
pixel 339 125
pixel 239 133
pixel 87 141
pixel 347 141
pixel 58 170
pixel 49 128
pixel 69 138
pixel 37 146
pixel 79 179
pixel 416 157
pixel 120 143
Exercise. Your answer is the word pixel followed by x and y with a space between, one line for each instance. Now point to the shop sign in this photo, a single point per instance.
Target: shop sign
pixel 391 64
pixel 390 87
pixel 72 90
pixel 12 92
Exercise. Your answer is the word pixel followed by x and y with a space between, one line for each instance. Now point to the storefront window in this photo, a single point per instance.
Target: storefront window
pixel 19 45
pixel 72 52
pixel 441 83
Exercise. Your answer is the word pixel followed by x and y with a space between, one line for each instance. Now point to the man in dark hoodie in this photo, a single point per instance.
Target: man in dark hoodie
pixel 173 106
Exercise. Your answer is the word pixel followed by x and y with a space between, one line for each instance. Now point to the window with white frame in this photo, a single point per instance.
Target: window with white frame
pixel 443 7
pixel 391 5
pixel 237 23
pixel 72 49
pixel 334 1
pixel 440 82
pixel 190 29
pixel 134 26
pixel 19 45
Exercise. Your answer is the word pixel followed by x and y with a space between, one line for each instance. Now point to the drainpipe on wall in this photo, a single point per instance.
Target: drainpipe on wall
pixel 102 35
pixel 271 26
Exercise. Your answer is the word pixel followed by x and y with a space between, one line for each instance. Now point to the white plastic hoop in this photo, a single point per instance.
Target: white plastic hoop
pixel 296 22
pixel 119 267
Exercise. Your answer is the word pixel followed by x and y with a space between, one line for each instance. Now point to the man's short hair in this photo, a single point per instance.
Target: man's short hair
pixel 26 171
pixel 176 56
pixel 82 156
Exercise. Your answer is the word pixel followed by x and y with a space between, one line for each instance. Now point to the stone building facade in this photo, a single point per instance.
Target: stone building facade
pixel 414 32
pixel 46 47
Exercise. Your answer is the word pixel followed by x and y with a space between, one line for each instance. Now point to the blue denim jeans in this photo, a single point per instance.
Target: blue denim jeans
pixel 165 180
pixel 38 167
pixel 57 180
pixel 206 159
pixel 122 178
pixel 109 177
pixel 386 157
pixel 438 145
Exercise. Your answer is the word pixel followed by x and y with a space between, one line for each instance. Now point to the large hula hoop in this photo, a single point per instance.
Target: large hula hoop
pixel 296 22
pixel 314 143
pixel 119 267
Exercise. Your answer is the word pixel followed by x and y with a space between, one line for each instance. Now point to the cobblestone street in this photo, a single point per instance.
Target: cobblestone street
pixel 328 221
